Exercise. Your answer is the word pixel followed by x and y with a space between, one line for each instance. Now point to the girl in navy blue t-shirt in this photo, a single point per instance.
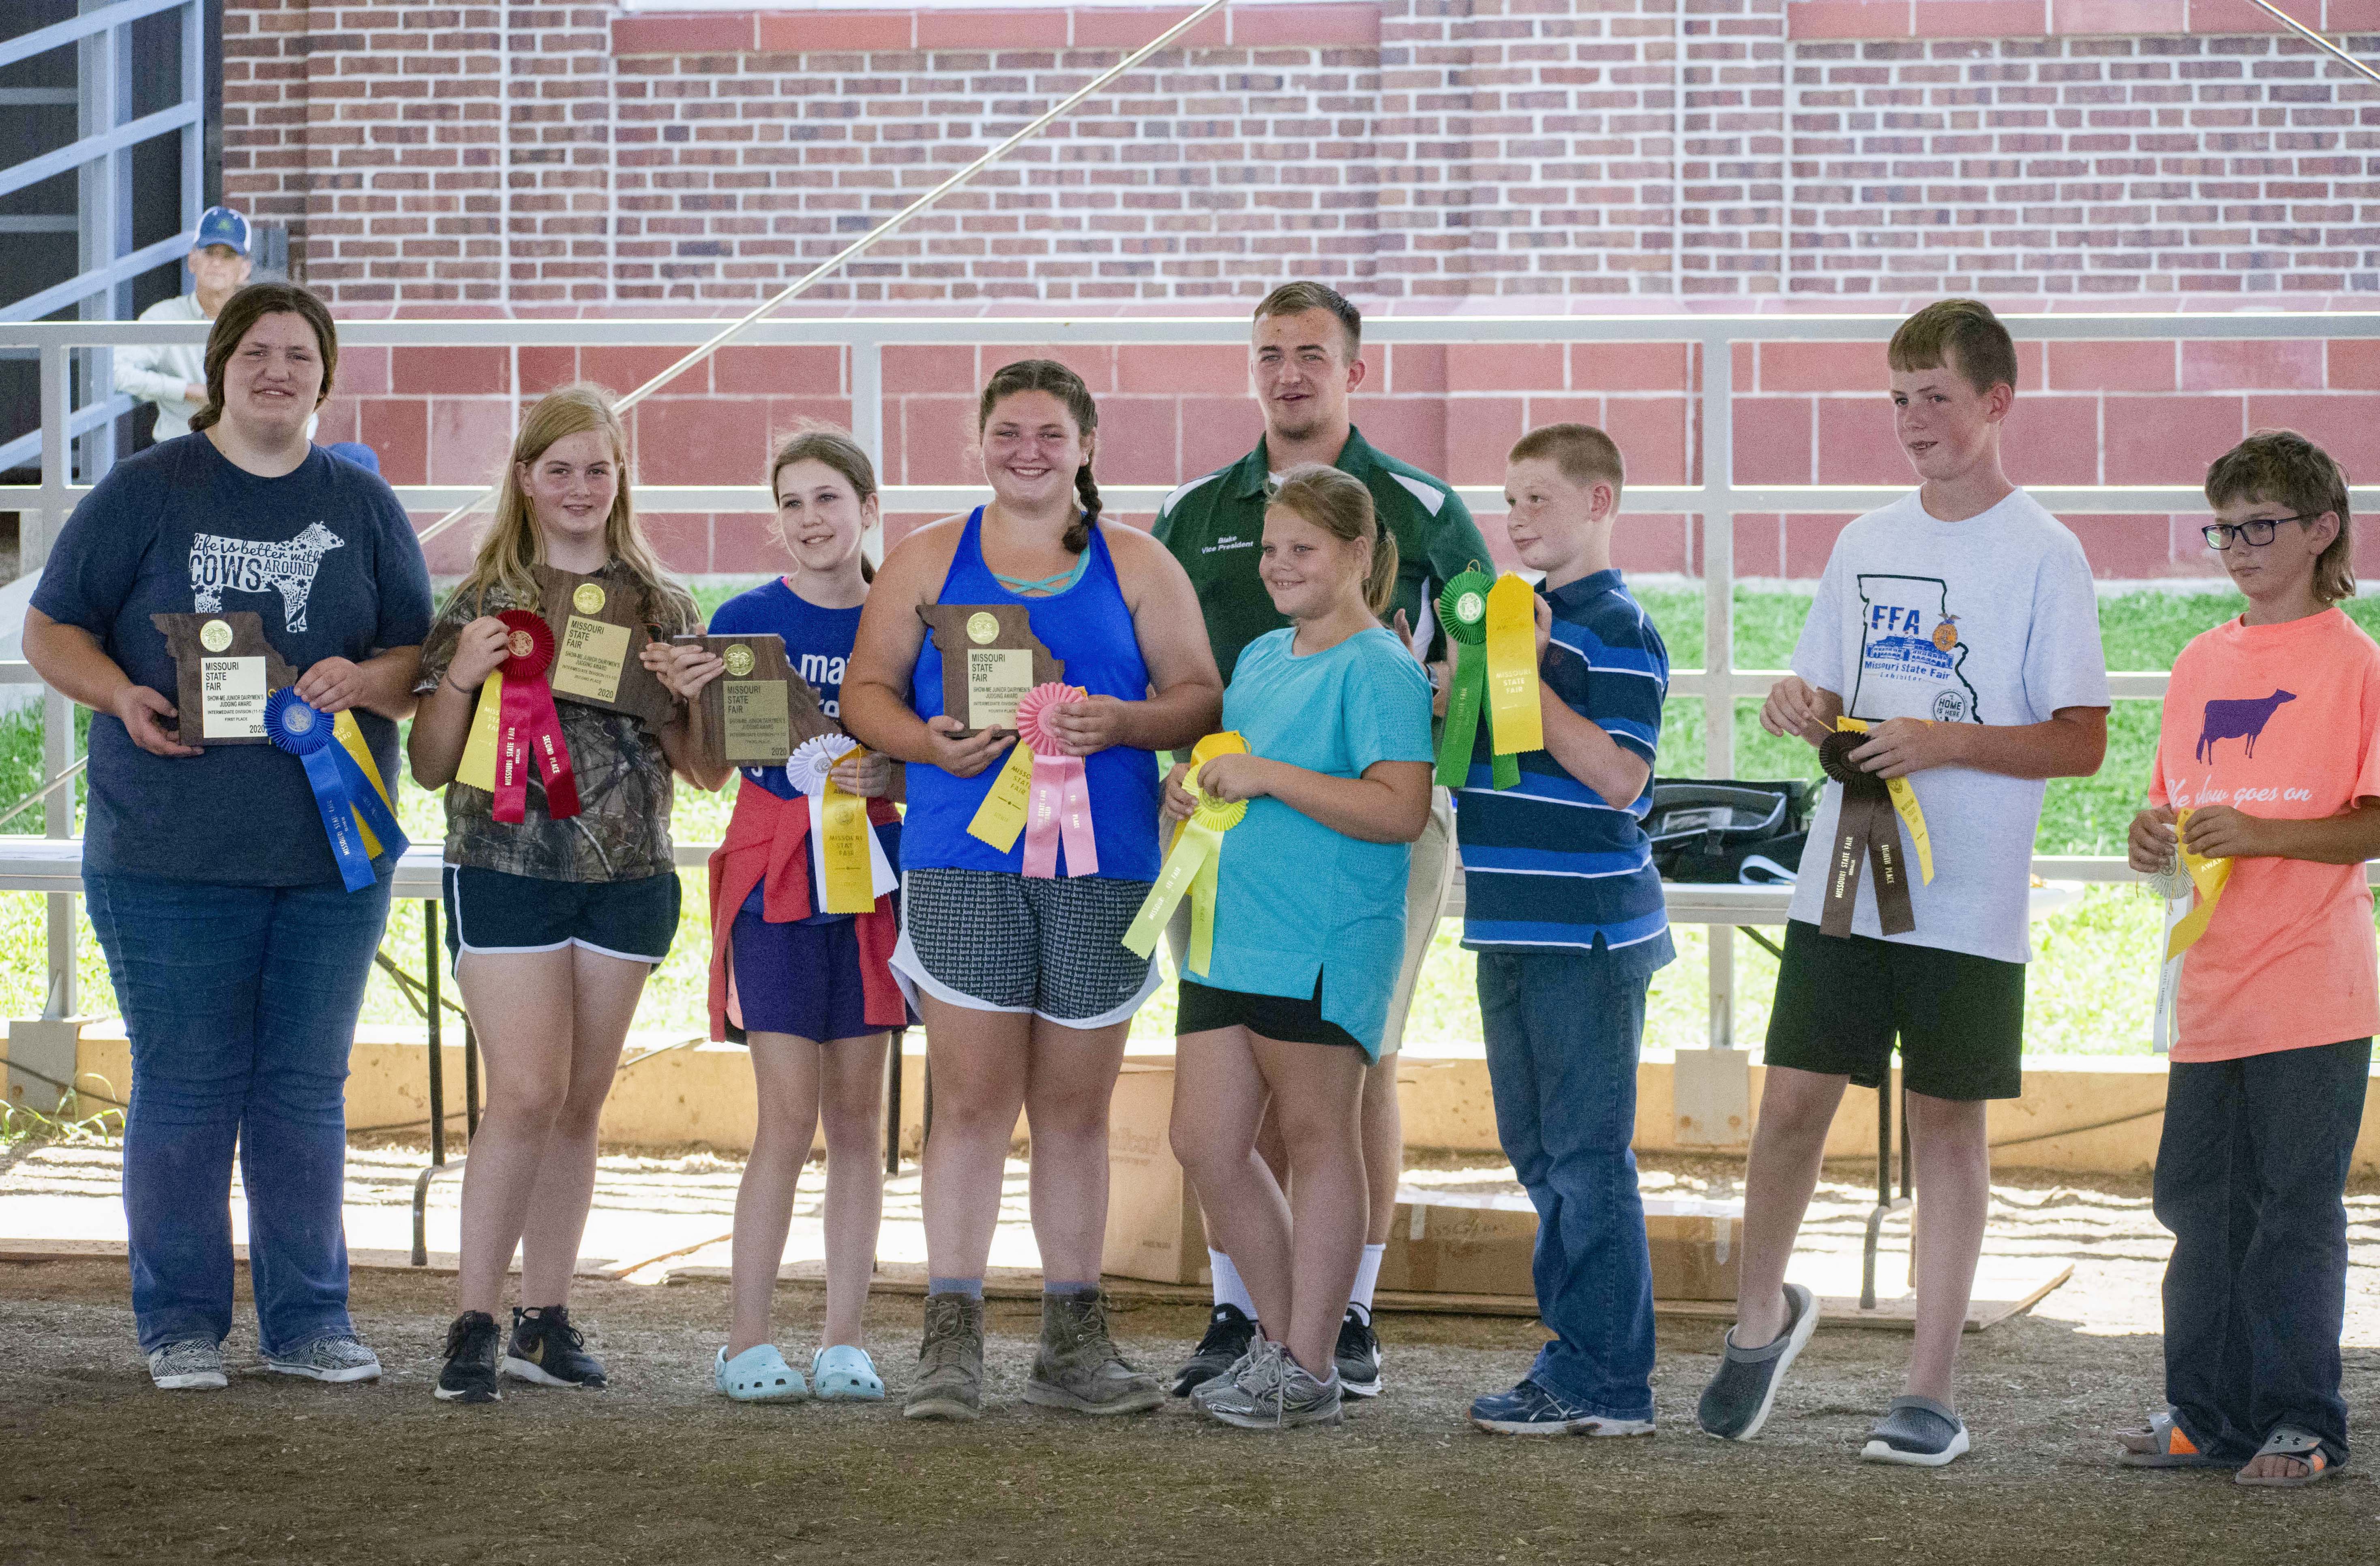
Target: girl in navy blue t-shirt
pixel 810 992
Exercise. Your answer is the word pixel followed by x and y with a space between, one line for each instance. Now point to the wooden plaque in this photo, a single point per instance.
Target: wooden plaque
pixel 990 658
pixel 224 669
pixel 760 710
pixel 597 643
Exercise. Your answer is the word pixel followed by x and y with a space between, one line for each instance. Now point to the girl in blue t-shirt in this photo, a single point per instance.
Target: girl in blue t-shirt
pixel 1308 935
pixel 810 992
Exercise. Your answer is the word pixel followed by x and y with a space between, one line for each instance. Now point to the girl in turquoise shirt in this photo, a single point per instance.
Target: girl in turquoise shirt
pixel 1309 931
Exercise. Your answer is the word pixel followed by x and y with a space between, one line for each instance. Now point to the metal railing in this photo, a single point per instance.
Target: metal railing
pixel 1713 501
pixel 100 158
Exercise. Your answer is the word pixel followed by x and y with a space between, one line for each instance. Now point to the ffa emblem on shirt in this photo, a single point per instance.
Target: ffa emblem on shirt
pixel 1946 634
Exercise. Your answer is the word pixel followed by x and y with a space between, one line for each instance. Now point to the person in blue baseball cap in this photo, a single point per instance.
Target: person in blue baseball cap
pixel 174 376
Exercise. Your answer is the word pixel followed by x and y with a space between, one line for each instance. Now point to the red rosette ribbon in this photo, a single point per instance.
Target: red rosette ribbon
pixel 530 732
pixel 1060 807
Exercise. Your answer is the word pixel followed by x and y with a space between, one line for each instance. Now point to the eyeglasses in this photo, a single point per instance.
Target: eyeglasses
pixel 2255 533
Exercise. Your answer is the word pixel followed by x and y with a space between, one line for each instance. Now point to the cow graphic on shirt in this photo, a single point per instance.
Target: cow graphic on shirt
pixel 1912 655
pixel 2238 719
pixel 219 564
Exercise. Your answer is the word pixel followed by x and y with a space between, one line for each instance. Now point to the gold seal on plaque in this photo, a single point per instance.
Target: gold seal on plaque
pixel 214 635
pixel 587 599
pixel 982 628
pixel 739 661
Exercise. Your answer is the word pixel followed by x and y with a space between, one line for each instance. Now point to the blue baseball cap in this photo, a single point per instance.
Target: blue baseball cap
pixel 221 225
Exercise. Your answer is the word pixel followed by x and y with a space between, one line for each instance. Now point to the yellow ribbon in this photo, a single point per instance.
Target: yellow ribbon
pixel 1192 865
pixel 1514 716
pixel 477 767
pixel 845 873
pixel 1904 801
pixel 345 730
pixel 1000 819
pixel 2209 876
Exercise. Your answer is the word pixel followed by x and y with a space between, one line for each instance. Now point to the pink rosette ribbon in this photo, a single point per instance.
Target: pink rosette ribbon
pixel 1059 810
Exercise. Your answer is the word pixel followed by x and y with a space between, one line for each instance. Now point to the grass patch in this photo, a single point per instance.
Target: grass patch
pixel 2089 994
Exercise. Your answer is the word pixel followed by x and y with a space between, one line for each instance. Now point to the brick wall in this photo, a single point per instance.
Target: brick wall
pixel 2125 413
pixel 1535 153
pixel 1419 150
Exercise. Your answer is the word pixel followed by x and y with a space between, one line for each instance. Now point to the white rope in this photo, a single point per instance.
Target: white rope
pixel 861 245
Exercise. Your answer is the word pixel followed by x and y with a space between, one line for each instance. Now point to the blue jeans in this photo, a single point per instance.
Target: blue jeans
pixel 1563 1027
pixel 2250 1175
pixel 241 1003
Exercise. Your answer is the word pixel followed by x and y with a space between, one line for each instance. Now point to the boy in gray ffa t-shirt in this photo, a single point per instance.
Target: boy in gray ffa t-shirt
pixel 1959 624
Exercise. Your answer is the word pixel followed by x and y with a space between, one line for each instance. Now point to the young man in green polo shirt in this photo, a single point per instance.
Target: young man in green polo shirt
pixel 1303 366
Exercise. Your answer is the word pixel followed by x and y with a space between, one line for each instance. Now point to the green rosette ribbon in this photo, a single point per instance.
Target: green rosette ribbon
pixel 1463 609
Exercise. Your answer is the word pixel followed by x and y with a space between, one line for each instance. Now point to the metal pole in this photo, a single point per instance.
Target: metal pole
pixel 2317 40
pixel 1719 636
pixel 893 1104
pixel 58 713
pixel 437 1033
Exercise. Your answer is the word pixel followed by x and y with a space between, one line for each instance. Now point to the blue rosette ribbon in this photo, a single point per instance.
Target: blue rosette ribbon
pixel 342 791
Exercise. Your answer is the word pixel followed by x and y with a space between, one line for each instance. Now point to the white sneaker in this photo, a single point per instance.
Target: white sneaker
pixel 191 1365
pixel 327 1359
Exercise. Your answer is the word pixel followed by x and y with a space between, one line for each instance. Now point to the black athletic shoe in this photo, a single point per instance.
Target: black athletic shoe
pixel 1228 1333
pixel 1358 1356
pixel 549 1351
pixel 470 1374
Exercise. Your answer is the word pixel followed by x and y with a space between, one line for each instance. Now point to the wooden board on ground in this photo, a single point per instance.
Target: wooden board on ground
pixel 760 711
pixel 990 658
pixel 223 670
pixel 441 1262
pixel 599 645
pixel 1899 1315
pixel 1019 1283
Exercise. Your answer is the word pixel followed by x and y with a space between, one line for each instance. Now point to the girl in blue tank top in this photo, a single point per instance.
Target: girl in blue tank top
pixel 1023 979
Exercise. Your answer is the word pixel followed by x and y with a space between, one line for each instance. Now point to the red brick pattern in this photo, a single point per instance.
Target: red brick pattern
pixel 2120 413
pixel 563 156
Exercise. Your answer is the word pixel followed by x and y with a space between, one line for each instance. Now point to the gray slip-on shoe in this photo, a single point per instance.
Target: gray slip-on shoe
pixel 1917 1432
pixel 1736 1402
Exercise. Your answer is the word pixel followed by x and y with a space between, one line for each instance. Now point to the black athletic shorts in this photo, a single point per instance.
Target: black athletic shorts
pixel 1201 1008
pixel 1840 999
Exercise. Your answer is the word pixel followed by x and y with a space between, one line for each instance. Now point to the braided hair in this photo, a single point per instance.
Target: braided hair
pixel 1049 375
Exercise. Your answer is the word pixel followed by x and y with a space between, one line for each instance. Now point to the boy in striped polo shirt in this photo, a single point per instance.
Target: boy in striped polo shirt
pixel 1561 903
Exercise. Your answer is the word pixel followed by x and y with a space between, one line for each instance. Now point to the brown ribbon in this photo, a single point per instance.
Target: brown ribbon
pixel 1866 829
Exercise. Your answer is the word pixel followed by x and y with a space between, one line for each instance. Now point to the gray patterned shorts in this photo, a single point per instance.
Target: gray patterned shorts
pixel 995 941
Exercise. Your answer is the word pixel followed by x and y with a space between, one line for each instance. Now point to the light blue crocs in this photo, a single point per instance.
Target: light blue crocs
pixel 758 1375
pixel 844 1374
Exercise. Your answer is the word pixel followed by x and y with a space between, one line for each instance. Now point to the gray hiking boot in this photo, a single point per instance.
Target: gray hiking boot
pixel 1078 1368
pixel 1272 1391
pixel 950 1361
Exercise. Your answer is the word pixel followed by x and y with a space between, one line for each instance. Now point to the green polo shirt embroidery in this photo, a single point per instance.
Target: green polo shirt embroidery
pixel 1215 525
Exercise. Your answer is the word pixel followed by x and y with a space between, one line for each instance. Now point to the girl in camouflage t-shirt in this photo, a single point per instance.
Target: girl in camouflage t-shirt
pixel 554 924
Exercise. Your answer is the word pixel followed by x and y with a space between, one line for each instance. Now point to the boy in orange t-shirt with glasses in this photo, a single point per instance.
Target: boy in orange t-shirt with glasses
pixel 2270 757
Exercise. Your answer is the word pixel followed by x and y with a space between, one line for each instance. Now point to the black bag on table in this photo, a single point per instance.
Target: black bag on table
pixel 1728 829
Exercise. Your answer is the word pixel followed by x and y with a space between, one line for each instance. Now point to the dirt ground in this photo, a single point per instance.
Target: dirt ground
pixel 96 1466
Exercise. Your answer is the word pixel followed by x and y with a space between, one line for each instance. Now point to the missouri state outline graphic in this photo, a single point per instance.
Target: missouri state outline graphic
pixel 1912 654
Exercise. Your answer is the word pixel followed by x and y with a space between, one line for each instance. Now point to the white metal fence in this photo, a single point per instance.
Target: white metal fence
pixel 1716 500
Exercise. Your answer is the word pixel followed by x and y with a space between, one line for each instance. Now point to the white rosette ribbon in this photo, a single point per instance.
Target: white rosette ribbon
pixel 807 769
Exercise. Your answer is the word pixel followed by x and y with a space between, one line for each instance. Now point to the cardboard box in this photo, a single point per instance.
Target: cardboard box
pixel 1154 1229
pixel 1453 1243
pixel 1441 1243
